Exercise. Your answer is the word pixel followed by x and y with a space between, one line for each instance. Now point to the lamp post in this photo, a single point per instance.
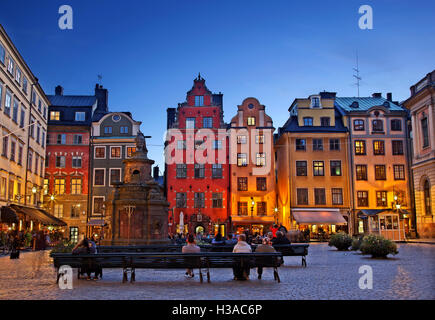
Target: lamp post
pixel 252 207
pixel 276 215
pixel 130 210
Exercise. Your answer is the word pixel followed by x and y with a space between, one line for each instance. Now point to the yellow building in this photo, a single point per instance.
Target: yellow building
pixel 252 169
pixel 312 167
pixel 379 167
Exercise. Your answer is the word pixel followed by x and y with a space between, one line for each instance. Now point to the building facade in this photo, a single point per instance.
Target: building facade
pixel 252 169
pixel 312 167
pixel 421 105
pixel 379 164
pixel 23 127
pixel 112 141
pixel 67 184
pixel 197 170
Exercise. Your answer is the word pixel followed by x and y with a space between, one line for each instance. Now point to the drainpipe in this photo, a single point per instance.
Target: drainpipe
pixel 410 175
pixel 28 143
pixel 90 178
pixel 352 184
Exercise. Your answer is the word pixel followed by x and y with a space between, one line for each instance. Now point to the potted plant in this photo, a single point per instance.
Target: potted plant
pixel 342 241
pixel 356 242
pixel 377 246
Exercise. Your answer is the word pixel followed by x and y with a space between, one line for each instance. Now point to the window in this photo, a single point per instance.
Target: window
pixel 55 115
pixel 13 147
pixel 76 161
pixel 98 205
pixel 38 132
pixel 33 97
pixel 199 100
pixel 377 125
pixel 358 125
pixel 60 161
pixel 11 65
pixel 1 92
pixel 20 154
pixel 308 121
pixel 130 151
pixel 18 76
pixel 425 132
pixel 99 177
pixel 25 85
pixel 261 184
pixel 5 146
pixel 399 172
pixel 11 189
pixel 22 117
pixel 251 121
pixel 181 144
pixel 259 139
pixel 361 172
pixel 360 147
pixel 115 176
pixel 61 138
pixel 334 144
pixel 261 159
pixel 380 173
pixel 335 168
pixel 363 198
pixel 396 125
pixel 217 144
pixel 301 144
pixel 242 184
pixel 32 127
pixel 115 152
pixel 46 186
pixel 123 129
pixel 427 198
pixel 242 160
pixel 15 111
pixel 261 208
pixel 378 147
pixel 190 123
pixel 2 54
pixel 199 201
pixel 80 116
pixel 76 185
pixel 8 102
pixel 78 139
pixel 319 196
pixel 381 198
pixel 242 208
pixel 318 168
pixel 181 199
pixel 59 186
pixel 241 139
pixel 302 195
pixel 337 196
pixel 207 122
pixel 75 211
pixel 315 102
pixel 301 168
pixel 58 210
pixel 181 170
pixel 199 144
pixel 199 170
pixel 217 200
pixel 317 144
pixel 216 171
pixel 325 121
pixel 100 152
pixel 397 147
pixel 107 130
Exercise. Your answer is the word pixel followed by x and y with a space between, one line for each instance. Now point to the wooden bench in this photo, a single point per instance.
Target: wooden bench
pixel 129 262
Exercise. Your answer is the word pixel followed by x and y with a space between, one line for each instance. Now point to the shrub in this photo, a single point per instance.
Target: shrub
pixel 378 246
pixel 341 241
pixel 356 242
pixel 63 247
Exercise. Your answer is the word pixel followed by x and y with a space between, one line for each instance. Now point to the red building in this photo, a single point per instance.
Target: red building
pixel 197 170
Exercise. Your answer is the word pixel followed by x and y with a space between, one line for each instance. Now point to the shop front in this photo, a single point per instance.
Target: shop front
pixel 252 225
pixel 319 223
pixel 97 228
pixel 391 224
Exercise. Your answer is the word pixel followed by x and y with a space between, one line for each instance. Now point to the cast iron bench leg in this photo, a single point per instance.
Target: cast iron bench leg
pixel 200 275
pixel 124 276
pixel 304 261
pixel 132 275
pixel 208 275
pixel 276 275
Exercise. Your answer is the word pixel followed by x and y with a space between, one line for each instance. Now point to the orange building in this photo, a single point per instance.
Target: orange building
pixel 252 169
pixel 312 167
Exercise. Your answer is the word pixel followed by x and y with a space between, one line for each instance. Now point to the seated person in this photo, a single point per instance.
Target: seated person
pixel 191 247
pixel 218 240
pixel 241 247
pixel 265 247
pixel 84 247
pixel 230 240
pixel 280 239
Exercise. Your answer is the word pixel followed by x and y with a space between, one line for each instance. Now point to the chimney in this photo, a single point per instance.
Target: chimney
pixel 377 95
pixel 328 95
pixel 156 172
pixel 171 117
pixel 58 91
pixel 390 96
pixel 102 97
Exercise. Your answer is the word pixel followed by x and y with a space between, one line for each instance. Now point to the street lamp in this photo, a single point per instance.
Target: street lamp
pixel 130 210
pixel 252 206
pixel 276 215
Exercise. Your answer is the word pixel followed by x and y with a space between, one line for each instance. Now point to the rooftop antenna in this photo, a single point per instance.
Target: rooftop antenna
pixel 100 78
pixel 357 76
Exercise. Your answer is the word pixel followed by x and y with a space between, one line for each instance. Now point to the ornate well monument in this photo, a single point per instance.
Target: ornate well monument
pixel 137 208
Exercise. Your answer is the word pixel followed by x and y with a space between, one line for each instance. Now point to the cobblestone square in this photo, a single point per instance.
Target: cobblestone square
pixel 330 275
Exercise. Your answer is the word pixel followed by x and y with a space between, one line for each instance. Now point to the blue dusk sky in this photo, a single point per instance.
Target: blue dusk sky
pixel 149 52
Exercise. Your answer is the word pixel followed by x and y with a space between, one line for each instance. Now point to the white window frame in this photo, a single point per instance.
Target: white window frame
pixel 312 106
pixel 126 151
pixel 104 178
pixel 110 175
pixel 93 203
pixel 95 153
pixel 80 113
pixel 120 153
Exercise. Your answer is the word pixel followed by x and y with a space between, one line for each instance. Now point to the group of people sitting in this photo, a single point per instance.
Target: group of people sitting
pixel 88 246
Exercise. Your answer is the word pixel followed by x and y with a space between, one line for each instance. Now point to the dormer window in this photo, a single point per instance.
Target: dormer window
pixel 325 121
pixel 315 102
pixel 80 116
pixel 199 101
pixel 377 126
pixel 308 121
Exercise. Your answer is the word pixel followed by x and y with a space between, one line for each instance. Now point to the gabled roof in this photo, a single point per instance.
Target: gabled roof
pixel 364 103
pixel 71 101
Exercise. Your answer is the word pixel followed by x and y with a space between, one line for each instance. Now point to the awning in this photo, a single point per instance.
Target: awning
pixel 369 212
pixel 54 221
pixel 8 215
pixel 323 216
pixel 97 223
pixel 39 215
pixel 252 220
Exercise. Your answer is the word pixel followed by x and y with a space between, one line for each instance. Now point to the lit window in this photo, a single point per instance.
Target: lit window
pixel 55 115
pixel 242 160
pixel 251 121
pixel 100 152
pixel 115 152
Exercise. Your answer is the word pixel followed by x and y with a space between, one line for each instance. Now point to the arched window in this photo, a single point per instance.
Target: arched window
pixel 426 196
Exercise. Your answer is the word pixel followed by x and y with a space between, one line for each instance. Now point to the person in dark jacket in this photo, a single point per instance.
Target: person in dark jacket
pixel 280 239
pixel 218 240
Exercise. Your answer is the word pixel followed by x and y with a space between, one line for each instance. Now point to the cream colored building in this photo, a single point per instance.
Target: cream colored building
pixel 421 104
pixel 23 127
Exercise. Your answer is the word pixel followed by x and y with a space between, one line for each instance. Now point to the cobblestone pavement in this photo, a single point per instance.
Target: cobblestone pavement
pixel 330 275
